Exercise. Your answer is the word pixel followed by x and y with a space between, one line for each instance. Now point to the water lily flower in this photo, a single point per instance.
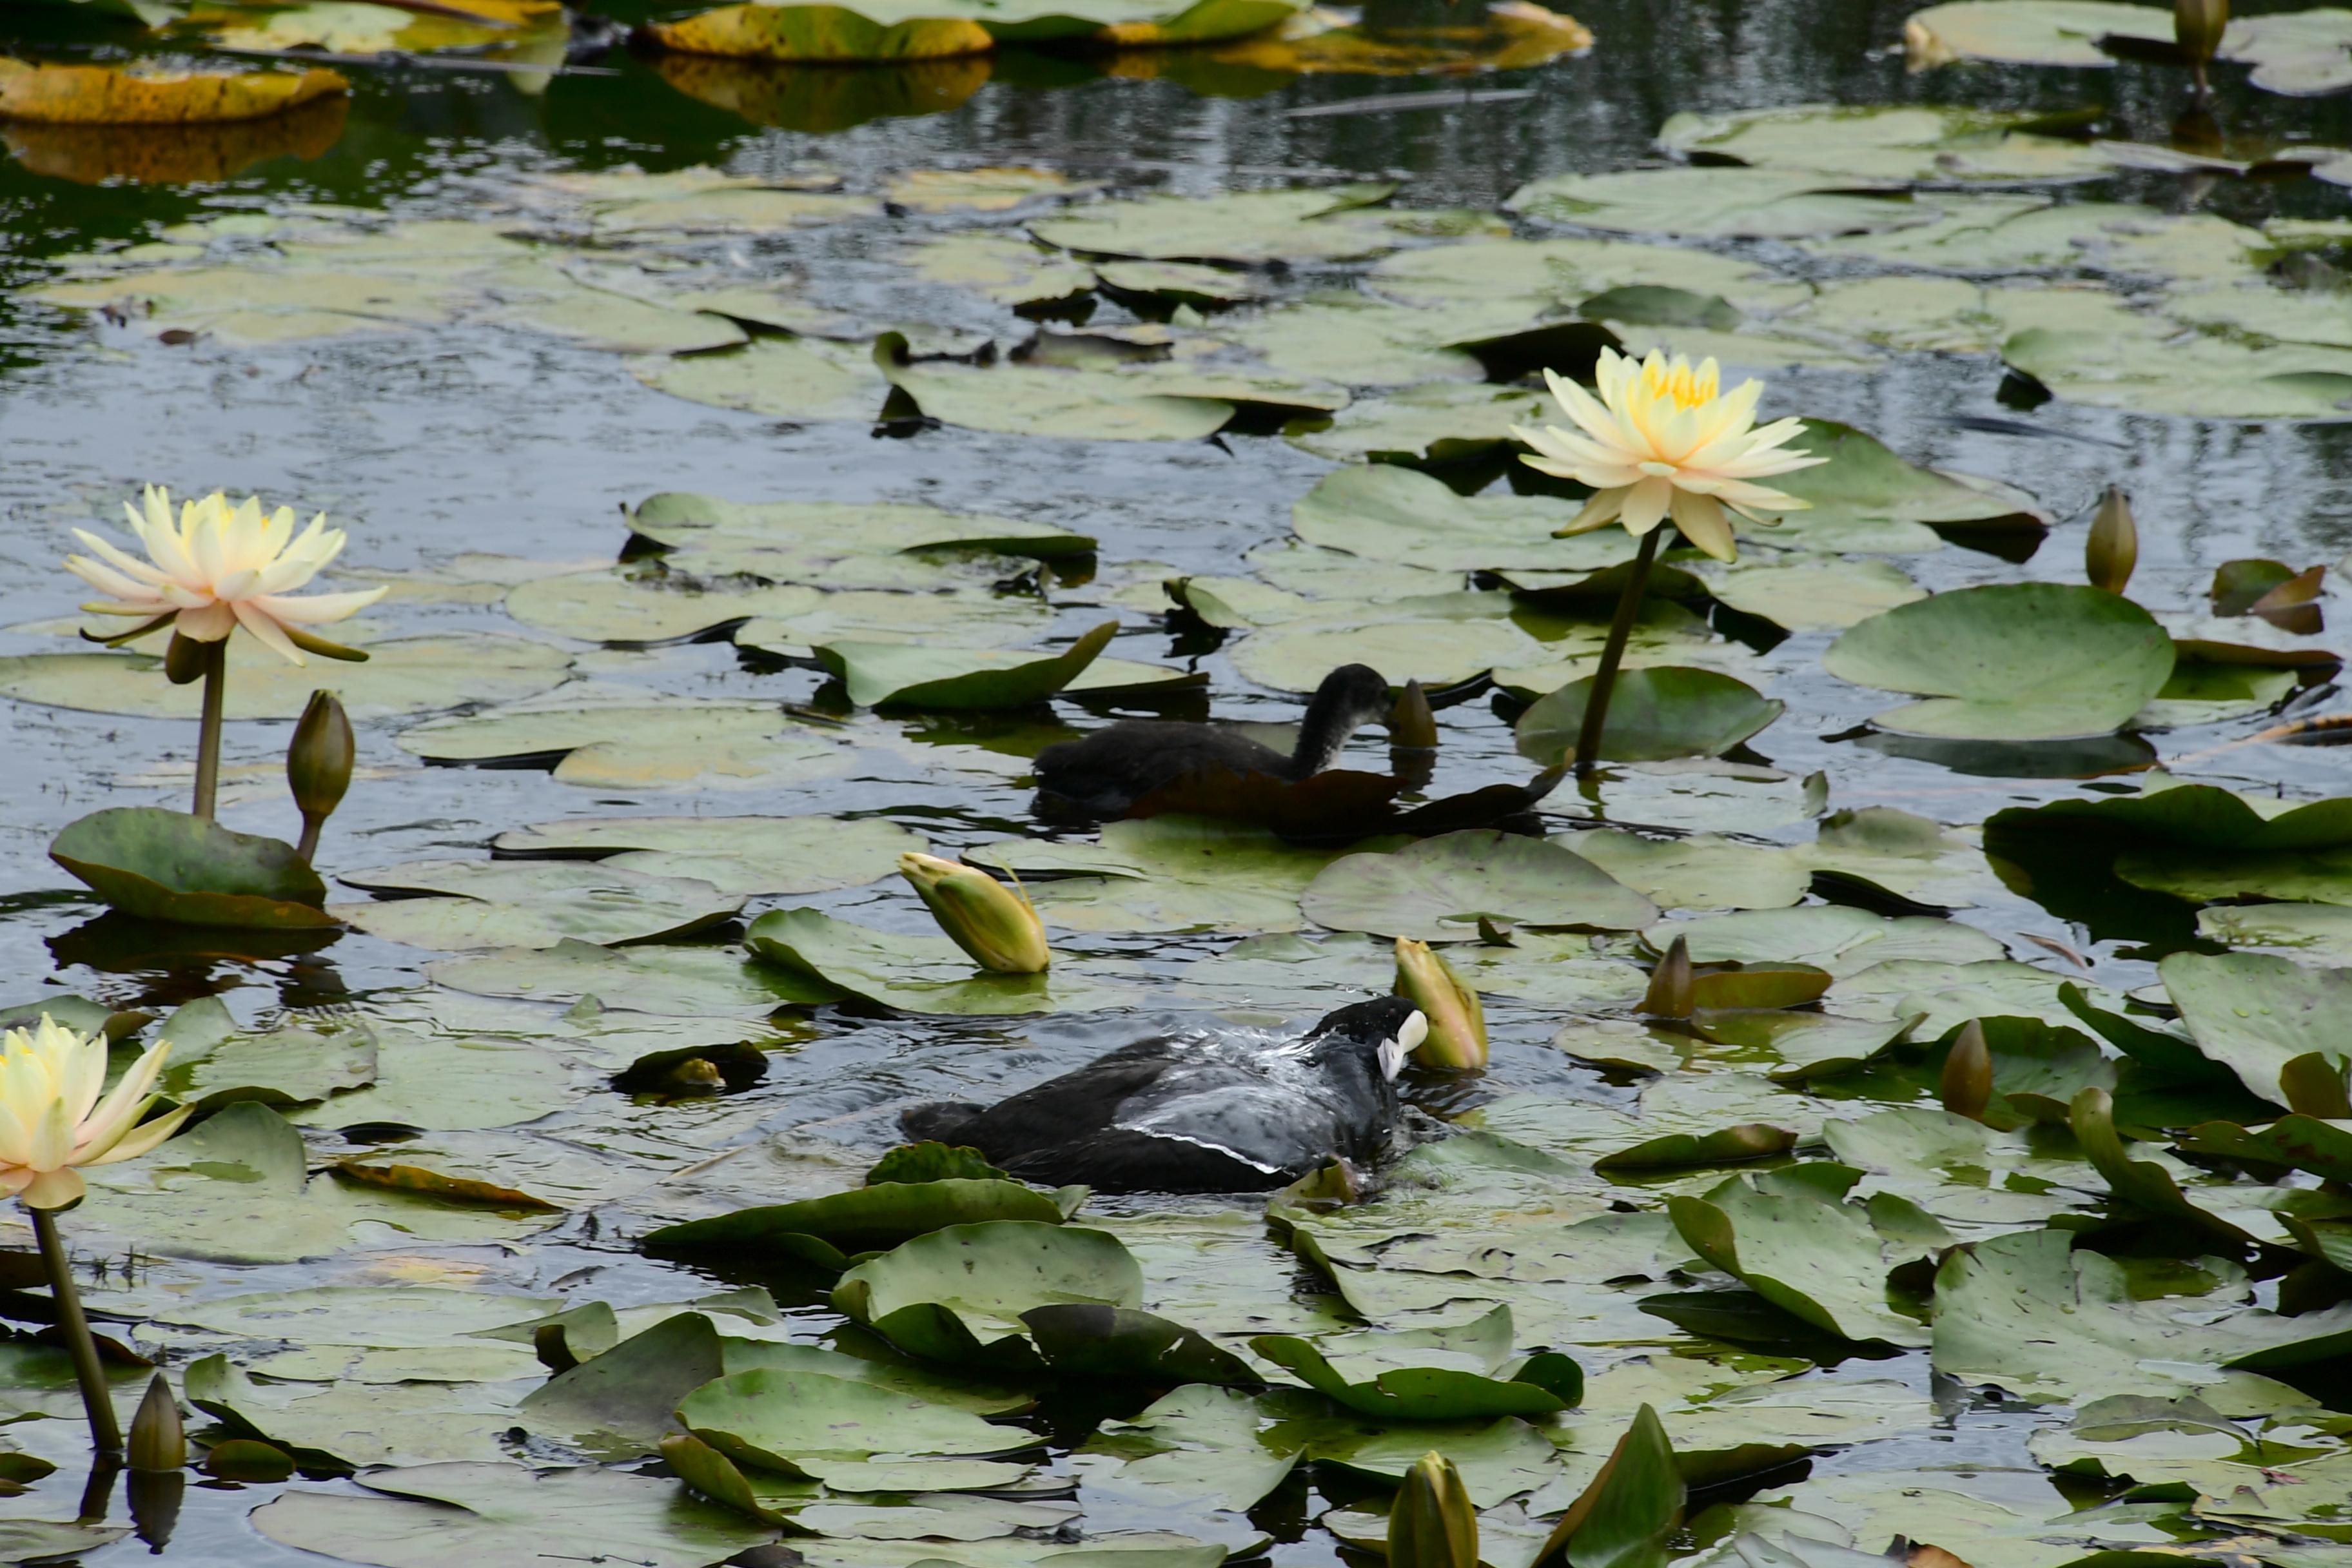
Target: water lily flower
pixel 986 919
pixel 52 1119
pixel 1663 440
pixel 218 568
pixel 1432 1522
pixel 1456 1019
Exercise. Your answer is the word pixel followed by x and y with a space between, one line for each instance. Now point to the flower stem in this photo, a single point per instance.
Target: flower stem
pixel 105 1433
pixel 1613 653
pixel 208 734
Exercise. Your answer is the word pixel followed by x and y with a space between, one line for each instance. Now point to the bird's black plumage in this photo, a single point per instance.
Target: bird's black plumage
pixel 1200 1113
pixel 1108 770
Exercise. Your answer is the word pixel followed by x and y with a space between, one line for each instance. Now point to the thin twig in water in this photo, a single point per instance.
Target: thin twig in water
pixel 2326 730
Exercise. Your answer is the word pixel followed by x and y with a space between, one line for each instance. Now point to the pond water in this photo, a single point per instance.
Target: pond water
pixel 455 436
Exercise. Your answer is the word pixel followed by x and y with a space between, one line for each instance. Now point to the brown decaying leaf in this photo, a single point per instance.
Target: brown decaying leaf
pixel 448 1189
pixel 116 95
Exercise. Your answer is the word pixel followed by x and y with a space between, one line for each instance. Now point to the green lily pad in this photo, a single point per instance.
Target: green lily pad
pixel 2320 933
pixel 912 675
pixel 957 1295
pixel 169 866
pixel 281 1067
pixel 1002 266
pixel 2013 662
pixel 826 1231
pixel 491 903
pixel 1630 1514
pixel 604 736
pixel 2033 1314
pixel 1655 712
pixel 831 542
pixel 1866 482
pixel 402 676
pixel 2253 1012
pixel 1439 423
pixel 2125 358
pixel 423 1516
pixel 918 974
pixel 345 1426
pixel 1973 1178
pixel 1334 224
pixel 1793 1239
pixel 1827 596
pixel 1388 513
pixel 2030 32
pixel 1440 888
pixel 620 1403
pixel 1725 204
pixel 784 378
pixel 740 855
pixel 1427 1374
pixel 1196 1445
pixel 692 982
pixel 2171 814
pixel 1165 873
pixel 1873 142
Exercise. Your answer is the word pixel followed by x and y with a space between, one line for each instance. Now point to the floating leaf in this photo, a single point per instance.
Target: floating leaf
pixel 1791 1239
pixel 1902 143
pixel 741 855
pixel 828 33
pixel 825 1231
pixel 539 904
pixel 1426 1374
pixel 1334 224
pixel 918 974
pixel 1440 888
pixel 1655 712
pixel 2009 661
pixel 622 1402
pixel 423 1516
pixel 835 544
pixel 1756 204
pixel 2029 32
pixel 694 982
pixel 1437 424
pixel 146 95
pixel 957 1295
pixel 910 675
pixel 2253 1012
pixel 401 674
pixel 169 866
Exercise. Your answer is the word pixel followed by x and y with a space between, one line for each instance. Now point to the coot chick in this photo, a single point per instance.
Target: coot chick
pixel 1200 1113
pixel 1106 772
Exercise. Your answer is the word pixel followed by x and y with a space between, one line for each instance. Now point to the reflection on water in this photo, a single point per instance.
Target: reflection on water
pixel 176 154
pixel 815 99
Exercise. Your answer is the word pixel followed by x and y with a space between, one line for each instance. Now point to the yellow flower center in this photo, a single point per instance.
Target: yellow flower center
pixel 1677 381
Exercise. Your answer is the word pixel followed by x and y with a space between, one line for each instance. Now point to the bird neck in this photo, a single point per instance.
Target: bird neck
pixel 1325 730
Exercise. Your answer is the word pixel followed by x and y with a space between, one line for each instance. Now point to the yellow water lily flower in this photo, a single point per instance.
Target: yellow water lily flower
pixel 52 1119
pixel 994 923
pixel 1663 440
pixel 218 568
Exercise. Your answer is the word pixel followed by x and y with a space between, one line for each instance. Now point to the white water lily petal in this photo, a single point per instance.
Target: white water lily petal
pixel 1662 436
pixel 52 1118
pixel 218 567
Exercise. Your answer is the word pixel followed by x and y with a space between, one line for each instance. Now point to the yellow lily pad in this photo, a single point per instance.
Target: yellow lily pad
pixel 119 95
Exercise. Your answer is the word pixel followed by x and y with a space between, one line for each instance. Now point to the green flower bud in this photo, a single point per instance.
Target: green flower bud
pixel 1672 993
pixel 1457 1023
pixel 1432 1523
pixel 319 764
pixel 1967 1085
pixel 2197 27
pixel 2113 548
pixel 989 920
pixel 1410 721
pixel 186 660
pixel 158 1441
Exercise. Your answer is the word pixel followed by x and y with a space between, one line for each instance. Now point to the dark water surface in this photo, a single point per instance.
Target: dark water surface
pixel 434 442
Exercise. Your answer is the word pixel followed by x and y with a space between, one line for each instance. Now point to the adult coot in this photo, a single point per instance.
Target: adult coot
pixel 1106 772
pixel 1198 1112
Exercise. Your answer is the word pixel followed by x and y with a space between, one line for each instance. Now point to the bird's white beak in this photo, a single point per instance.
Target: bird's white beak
pixel 1408 1041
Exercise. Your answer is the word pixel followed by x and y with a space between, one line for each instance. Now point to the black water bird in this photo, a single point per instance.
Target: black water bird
pixel 1199 1113
pixel 1107 772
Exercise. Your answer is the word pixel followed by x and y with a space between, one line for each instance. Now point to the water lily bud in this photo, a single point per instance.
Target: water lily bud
pixel 1457 1023
pixel 2197 27
pixel 186 660
pixel 1966 1086
pixel 1410 721
pixel 988 920
pixel 2113 548
pixel 1432 1523
pixel 158 1441
pixel 1672 993
pixel 319 765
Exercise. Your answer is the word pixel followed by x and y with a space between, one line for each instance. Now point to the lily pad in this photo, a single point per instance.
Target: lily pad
pixel 2029 32
pixel 2016 661
pixel 784 378
pixel 504 904
pixel 1388 513
pixel 602 736
pixel 958 1295
pixel 1439 889
pixel 832 543
pixel 690 982
pixel 1439 423
pixel 1655 712
pixel 1165 873
pixel 169 866
pixel 1750 204
pixel 1797 1243
pixel 1334 224
pixel 1900 142
pixel 918 974
pixel 420 1516
pixel 826 1231
pixel 741 855
pixel 1865 483
pixel 2253 1012
pixel 1427 1374
pixel 402 676
pixel 912 675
